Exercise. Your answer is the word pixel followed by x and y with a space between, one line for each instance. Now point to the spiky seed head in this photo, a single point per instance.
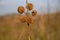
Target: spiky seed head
pixel 34 13
pixel 29 6
pixel 21 9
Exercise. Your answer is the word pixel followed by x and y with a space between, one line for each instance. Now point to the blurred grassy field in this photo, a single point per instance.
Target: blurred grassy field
pixel 11 28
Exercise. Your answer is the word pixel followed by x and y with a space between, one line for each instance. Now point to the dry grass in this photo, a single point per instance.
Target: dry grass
pixel 11 28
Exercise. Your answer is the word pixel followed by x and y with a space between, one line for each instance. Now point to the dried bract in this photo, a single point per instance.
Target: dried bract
pixel 23 19
pixel 29 20
pixel 26 19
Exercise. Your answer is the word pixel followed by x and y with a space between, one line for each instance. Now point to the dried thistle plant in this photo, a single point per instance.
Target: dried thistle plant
pixel 27 18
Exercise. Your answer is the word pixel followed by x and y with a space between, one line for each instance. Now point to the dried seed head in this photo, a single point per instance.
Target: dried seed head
pixel 29 6
pixel 34 13
pixel 21 9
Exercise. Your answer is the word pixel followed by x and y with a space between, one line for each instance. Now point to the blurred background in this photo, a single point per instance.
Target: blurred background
pixel 46 25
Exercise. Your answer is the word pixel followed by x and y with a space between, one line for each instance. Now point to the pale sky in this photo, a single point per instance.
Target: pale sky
pixel 10 6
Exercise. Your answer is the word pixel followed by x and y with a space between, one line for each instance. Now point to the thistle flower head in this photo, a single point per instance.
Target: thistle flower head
pixel 29 6
pixel 21 9
pixel 34 13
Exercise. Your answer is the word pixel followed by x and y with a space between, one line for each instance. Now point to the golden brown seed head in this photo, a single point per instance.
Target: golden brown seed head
pixel 29 6
pixel 34 13
pixel 21 9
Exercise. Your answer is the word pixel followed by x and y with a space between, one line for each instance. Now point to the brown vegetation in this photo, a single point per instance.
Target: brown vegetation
pixel 11 27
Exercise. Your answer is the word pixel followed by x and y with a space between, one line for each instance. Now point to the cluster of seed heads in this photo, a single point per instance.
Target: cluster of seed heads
pixel 25 18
